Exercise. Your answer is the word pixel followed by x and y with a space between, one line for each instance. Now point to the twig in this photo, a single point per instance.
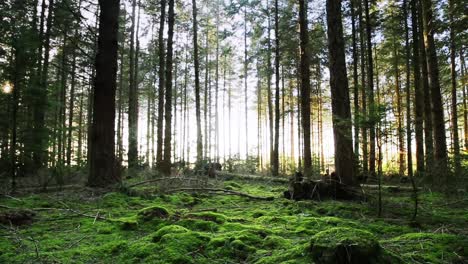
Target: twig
pixel 78 241
pixel 224 191
pixel 36 248
pixel 95 218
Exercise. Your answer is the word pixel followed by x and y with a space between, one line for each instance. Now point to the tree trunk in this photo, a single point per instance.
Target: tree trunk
pixel 305 86
pixel 217 87
pixel 453 75
pixel 342 131
pixel 197 84
pixel 401 146
pixel 428 139
pixel 408 92
pixel 355 82
pixel 103 169
pixel 132 99
pixel 168 111
pixel 161 56
pixel 440 145
pixel 275 160
pixel 418 92
pixel 370 83
pixel 465 105
pixel 40 134
pixel 364 127
pixel 269 94
pixel 205 97
pixel 246 67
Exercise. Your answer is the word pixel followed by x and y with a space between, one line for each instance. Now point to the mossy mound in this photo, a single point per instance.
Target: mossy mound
pixel 237 244
pixel 199 225
pixel 275 242
pixel 208 216
pixel 180 247
pixel 127 223
pixel 170 229
pixel 153 212
pixel 345 245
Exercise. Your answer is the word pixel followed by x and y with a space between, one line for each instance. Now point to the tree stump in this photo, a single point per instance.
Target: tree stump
pixel 327 188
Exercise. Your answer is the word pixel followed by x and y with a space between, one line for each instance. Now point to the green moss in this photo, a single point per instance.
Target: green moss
pixel 258 213
pixel 199 225
pixel 238 245
pixel 153 212
pixel 345 245
pixel 113 247
pixel 114 200
pixel 275 242
pixel 241 230
pixel 208 216
pixel 170 229
pixel 293 254
pixel 429 247
pixel 183 247
pixel 233 185
pixel 127 223
pixel 106 230
pixel 313 225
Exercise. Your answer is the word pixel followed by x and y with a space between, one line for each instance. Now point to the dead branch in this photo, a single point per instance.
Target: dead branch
pixel 162 179
pixel 253 177
pixel 39 209
pixel 223 191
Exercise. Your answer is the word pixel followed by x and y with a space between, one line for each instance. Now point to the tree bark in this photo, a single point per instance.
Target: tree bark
pixel 355 82
pixel 132 99
pixel 197 84
pixel 275 161
pixel 40 133
pixel 438 121
pixel 342 130
pixel 161 56
pixel 305 86
pixel 453 82
pixel 364 127
pixel 408 92
pixel 168 111
pixel 103 169
pixel 428 139
pixel 465 105
pixel 401 146
pixel 370 83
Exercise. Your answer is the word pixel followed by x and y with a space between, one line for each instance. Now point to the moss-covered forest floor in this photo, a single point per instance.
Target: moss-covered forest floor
pixel 143 226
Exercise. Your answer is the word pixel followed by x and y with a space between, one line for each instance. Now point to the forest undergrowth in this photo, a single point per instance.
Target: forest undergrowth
pixel 141 225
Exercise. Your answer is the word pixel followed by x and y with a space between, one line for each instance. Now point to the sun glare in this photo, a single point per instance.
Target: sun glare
pixel 7 88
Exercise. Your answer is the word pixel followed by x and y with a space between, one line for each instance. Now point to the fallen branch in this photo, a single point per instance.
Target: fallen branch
pixel 392 187
pixel 223 191
pixel 253 177
pixel 162 179
pixel 55 209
